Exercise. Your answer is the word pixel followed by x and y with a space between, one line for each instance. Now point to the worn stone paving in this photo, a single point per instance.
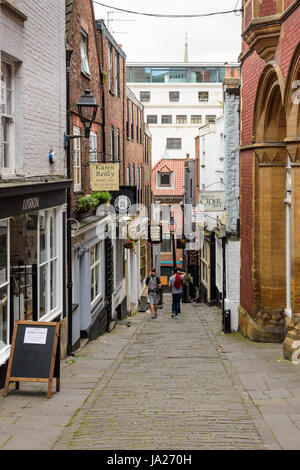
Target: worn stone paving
pixel 171 388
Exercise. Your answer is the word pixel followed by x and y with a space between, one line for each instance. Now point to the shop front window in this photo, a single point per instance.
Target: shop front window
pixel 95 267
pixel 48 262
pixel 3 283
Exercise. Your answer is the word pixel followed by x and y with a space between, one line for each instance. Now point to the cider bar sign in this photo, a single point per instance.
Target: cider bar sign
pixel 105 176
pixel 212 201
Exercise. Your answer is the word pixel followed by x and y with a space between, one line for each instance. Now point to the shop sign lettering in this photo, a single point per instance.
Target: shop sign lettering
pixel 31 203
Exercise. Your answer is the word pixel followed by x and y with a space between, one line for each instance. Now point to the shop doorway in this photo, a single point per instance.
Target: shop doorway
pixel 23 268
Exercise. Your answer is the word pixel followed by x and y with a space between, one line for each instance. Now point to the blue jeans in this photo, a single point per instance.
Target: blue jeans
pixel 176 303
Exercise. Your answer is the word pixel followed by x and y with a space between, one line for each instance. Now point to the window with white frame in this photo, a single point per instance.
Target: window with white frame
pixel 93 147
pixel 174 96
pixel 112 143
pixel 181 119
pixel 95 271
pixel 76 160
pixel 203 96
pixel 164 179
pixel 110 69
pixel 166 119
pixel 144 96
pixel 4 283
pixel 85 68
pixel 118 145
pixel 117 74
pixel 132 123
pixel 6 117
pixel 152 119
pixel 48 263
pixel 137 124
pixel 174 143
pixel 209 118
pixel 196 119
pixel 128 174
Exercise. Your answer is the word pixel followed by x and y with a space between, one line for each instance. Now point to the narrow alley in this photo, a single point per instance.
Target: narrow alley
pixel 159 384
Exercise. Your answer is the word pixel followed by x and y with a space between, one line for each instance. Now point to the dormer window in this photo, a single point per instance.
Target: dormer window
pixel 165 179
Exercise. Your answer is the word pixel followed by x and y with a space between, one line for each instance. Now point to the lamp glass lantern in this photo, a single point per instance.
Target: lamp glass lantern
pixel 87 109
pixel 172 225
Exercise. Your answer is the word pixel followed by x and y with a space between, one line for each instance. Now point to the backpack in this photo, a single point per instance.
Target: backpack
pixel 178 281
pixel 152 286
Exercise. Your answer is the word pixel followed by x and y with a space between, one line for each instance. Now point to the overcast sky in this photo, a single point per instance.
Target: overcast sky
pixel 154 39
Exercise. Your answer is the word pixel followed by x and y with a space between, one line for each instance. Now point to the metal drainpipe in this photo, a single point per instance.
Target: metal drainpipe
pixel 103 103
pixel 69 210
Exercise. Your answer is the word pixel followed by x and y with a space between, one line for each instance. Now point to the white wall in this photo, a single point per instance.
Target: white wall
pixel 212 162
pixel 38 51
pixel 232 299
pixel 188 105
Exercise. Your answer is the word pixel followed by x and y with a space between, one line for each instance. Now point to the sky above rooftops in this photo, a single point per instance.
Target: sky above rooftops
pixel 216 38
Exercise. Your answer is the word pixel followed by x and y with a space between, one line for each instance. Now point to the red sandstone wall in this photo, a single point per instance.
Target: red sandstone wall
pixel 252 67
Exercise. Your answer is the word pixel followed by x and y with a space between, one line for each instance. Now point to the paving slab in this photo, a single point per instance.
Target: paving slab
pixel 162 384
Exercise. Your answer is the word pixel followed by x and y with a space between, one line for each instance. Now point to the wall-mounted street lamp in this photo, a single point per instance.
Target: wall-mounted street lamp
pixel 87 110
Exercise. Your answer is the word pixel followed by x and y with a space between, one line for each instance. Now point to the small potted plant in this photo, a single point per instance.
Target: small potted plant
pixel 103 198
pixel 88 203
pixel 130 244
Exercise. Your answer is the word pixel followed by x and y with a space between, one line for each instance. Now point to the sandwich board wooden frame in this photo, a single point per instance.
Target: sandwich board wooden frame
pixel 55 359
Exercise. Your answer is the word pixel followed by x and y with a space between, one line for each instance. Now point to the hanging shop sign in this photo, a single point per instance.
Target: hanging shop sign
pixel 212 201
pixel 105 176
pixel 34 355
pixel 193 258
pixel 124 198
pixel 155 234
pixel 197 214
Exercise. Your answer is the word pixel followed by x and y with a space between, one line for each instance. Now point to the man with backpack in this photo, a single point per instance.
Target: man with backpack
pixel 176 282
pixel 153 283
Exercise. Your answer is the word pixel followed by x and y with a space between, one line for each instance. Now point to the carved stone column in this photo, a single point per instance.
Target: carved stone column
pixel 269 243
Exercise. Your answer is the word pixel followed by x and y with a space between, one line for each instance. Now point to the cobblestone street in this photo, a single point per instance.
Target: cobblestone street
pixel 171 389
pixel 161 384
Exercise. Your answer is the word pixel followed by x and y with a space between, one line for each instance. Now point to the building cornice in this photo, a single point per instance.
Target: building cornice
pixel 262 34
pixel 4 4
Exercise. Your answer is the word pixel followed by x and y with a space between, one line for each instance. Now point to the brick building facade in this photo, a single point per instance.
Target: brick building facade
pixel 85 73
pixel 269 173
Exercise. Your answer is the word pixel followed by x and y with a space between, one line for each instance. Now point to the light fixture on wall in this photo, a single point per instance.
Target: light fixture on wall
pixel 87 110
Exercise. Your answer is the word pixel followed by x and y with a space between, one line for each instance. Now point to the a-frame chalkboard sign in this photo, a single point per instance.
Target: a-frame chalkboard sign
pixel 34 355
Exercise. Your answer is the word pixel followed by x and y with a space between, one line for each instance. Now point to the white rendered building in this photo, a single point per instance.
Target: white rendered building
pixel 178 99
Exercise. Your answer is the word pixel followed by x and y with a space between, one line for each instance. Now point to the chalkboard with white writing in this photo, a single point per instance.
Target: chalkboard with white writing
pixel 34 354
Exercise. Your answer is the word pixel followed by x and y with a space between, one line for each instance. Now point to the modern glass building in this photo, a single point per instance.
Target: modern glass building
pixel 177 73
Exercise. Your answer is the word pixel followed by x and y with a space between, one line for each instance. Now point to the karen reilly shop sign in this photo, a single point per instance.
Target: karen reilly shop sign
pixel 105 176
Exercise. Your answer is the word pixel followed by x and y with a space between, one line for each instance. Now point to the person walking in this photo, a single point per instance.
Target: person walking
pixel 153 283
pixel 176 282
